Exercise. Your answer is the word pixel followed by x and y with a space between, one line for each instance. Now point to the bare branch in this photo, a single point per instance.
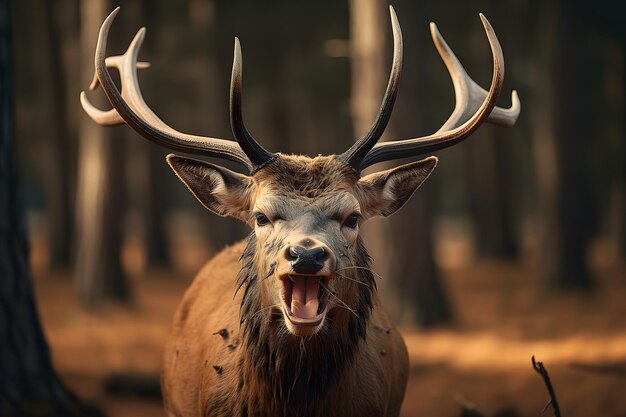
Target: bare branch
pixel 541 370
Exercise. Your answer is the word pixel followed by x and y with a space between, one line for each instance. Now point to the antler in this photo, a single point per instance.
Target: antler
pixel 258 156
pixel 359 150
pixel 474 106
pixel 469 95
pixel 130 107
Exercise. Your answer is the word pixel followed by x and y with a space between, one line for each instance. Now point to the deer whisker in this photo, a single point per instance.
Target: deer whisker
pixel 346 306
pixel 361 267
pixel 352 279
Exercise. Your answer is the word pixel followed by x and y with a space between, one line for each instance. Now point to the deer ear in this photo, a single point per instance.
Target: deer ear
pixel 221 190
pixel 383 193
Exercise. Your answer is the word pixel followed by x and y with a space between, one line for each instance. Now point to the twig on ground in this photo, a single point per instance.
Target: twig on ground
pixel 541 370
pixel 468 408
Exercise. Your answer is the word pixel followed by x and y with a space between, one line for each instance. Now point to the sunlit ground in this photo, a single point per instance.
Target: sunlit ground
pixel 502 319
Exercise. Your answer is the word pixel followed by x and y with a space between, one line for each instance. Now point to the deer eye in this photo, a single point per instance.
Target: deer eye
pixel 352 221
pixel 261 219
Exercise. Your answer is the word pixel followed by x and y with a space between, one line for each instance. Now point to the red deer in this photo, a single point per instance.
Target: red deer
pixel 288 322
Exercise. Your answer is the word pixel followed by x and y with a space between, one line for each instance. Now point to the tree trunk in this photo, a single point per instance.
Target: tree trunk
pixel 28 384
pixel 144 171
pixel 489 197
pixel 99 210
pixel 574 122
pixel 559 133
pixel 156 238
pixel 411 287
pixel 490 166
pixel 621 223
pixel 619 190
pixel 56 156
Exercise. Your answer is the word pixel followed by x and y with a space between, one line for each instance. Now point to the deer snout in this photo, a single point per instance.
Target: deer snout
pixel 308 257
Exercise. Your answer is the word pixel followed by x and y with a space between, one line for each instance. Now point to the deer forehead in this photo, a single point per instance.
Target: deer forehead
pixel 334 206
pixel 293 181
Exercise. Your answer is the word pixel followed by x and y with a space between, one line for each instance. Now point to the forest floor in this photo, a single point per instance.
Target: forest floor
pixel 502 319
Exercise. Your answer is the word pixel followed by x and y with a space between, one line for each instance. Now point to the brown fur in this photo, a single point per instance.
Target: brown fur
pixel 371 382
pixel 230 352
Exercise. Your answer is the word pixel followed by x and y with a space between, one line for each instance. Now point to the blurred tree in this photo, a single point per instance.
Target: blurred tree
pixel 155 175
pixel 155 232
pixel 411 284
pixel 209 75
pixel 56 147
pixel 608 18
pixel 147 187
pixel 28 384
pixel 546 154
pixel 99 213
pixel 574 126
pixel 489 164
pixel 562 127
pixel 620 186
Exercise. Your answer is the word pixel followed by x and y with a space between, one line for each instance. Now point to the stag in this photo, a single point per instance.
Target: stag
pixel 288 322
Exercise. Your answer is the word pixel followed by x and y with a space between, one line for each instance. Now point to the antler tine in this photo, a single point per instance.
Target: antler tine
pixel 138 115
pixel 453 133
pixel 359 150
pixel 123 63
pixel 469 95
pixel 127 65
pixel 257 154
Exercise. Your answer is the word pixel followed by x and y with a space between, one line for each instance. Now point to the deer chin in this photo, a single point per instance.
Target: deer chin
pixel 305 302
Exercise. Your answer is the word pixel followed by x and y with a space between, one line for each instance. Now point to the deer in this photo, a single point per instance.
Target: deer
pixel 288 322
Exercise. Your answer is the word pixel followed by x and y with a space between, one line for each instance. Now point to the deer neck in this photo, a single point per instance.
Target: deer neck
pixel 290 370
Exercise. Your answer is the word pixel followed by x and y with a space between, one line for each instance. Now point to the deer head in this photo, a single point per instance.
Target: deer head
pixel 305 259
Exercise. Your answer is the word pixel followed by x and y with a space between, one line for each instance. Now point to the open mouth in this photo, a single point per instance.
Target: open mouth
pixel 305 298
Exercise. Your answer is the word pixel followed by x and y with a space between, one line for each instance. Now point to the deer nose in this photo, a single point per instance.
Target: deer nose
pixel 307 260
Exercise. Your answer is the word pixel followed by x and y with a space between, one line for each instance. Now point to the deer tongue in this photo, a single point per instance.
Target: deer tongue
pixel 304 301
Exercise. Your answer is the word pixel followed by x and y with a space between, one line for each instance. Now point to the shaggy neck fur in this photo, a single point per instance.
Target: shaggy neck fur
pixel 285 373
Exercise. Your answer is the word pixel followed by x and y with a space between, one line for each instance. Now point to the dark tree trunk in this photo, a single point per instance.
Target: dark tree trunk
pixel 549 240
pixel 156 237
pixel 561 135
pixel 28 384
pixel 490 166
pixel 416 279
pixel 418 282
pixel 56 155
pixel 489 185
pixel 621 223
pixel 402 245
pixel 489 195
pixel 573 127
pixel 147 173
pixel 620 188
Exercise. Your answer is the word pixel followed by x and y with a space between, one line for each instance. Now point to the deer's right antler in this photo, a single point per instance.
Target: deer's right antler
pixel 130 107
pixel 473 106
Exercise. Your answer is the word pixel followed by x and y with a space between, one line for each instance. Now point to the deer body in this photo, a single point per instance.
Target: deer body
pixel 217 375
pixel 288 322
pixel 242 342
